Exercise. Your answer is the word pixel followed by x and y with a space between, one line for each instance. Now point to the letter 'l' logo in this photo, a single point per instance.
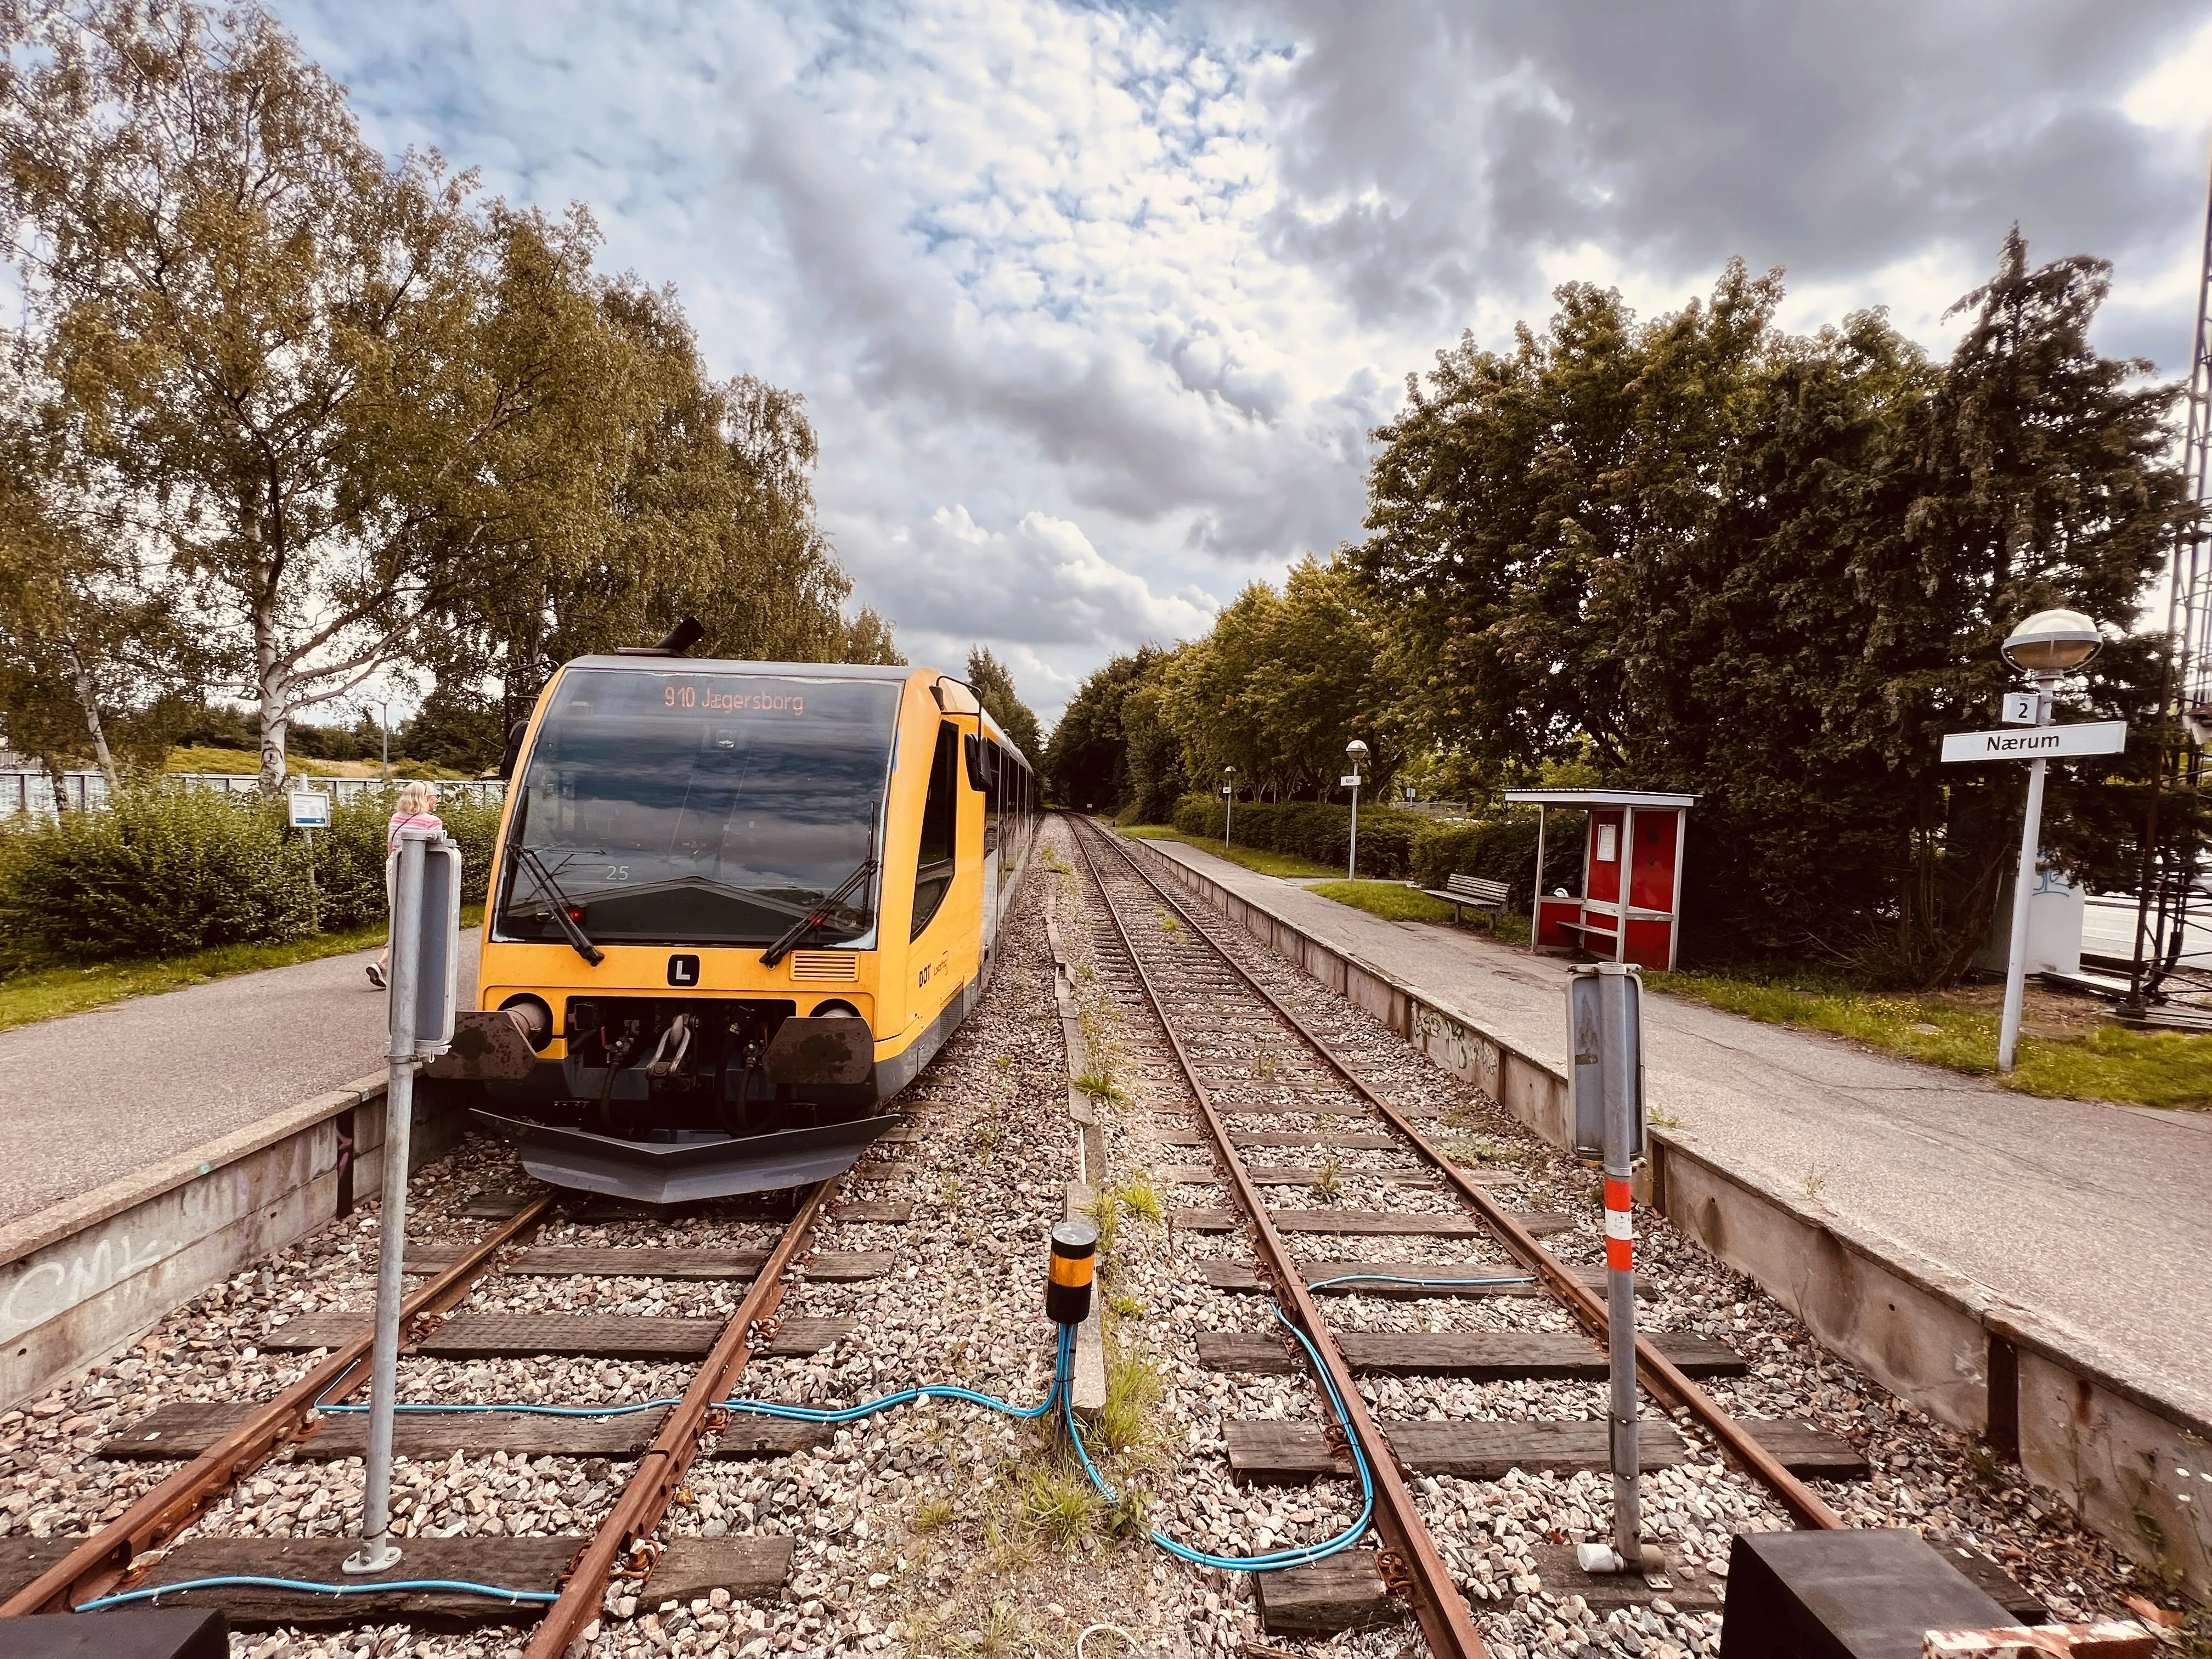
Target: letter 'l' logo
pixel 683 969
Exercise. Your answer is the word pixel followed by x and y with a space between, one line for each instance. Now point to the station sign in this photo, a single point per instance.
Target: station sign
pixel 1349 781
pixel 2037 742
pixel 310 809
pixel 2022 708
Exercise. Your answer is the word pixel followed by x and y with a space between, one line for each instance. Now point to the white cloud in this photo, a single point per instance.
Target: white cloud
pixel 1129 286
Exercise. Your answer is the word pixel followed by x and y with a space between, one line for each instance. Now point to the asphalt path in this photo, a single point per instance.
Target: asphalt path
pixel 90 1098
pixel 2080 1212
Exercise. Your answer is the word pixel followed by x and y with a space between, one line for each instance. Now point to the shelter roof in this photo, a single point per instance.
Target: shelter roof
pixel 1597 798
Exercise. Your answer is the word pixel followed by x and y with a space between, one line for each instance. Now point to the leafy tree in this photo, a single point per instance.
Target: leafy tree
pixel 1774 570
pixel 1285 681
pixel 1086 765
pixel 357 418
pixel 994 687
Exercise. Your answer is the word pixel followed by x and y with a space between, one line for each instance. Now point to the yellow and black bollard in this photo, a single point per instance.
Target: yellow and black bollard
pixel 1074 1264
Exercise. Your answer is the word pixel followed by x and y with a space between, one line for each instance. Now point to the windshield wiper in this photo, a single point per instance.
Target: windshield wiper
pixel 528 858
pixel 818 915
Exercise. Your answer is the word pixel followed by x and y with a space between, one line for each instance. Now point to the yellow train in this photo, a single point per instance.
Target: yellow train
pixel 736 906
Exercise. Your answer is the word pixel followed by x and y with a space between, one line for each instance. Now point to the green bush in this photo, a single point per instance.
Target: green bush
pixel 1319 830
pixel 164 870
pixel 1500 850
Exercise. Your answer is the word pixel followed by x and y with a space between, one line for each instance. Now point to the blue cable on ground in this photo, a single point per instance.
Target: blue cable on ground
pixel 360 1587
pixel 1059 1394
pixel 1431 1284
pixel 1297 1556
pixel 499 1593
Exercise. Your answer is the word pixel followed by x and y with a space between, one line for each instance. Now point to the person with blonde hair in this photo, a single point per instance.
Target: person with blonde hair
pixel 416 809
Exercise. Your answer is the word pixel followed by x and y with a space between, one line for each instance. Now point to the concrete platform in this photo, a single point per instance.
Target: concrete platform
pixel 2030 1271
pixel 94 1097
pixel 149 1149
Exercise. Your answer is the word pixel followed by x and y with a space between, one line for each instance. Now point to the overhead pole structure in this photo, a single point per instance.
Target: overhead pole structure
pixel 2170 864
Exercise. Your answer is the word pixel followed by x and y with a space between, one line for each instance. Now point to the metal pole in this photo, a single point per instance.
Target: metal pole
pixel 1352 870
pixel 1228 815
pixel 1620 1051
pixel 377 1553
pixel 2023 889
pixel 1536 905
pixel 1627 871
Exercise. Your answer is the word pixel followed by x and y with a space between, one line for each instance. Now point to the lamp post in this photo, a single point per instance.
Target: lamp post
pixel 1356 752
pixel 2048 645
pixel 1228 804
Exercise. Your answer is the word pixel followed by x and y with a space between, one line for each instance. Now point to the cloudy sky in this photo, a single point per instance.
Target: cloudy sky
pixel 1093 305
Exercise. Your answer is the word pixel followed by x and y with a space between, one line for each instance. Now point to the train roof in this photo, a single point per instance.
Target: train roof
pixel 818 671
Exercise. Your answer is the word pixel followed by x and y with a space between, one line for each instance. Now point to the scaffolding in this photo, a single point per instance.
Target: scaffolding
pixel 2172 895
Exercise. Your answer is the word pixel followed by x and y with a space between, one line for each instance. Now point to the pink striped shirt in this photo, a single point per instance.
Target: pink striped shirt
pixel 410 821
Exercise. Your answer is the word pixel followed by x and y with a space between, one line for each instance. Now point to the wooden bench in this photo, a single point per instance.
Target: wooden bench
pixel 1469 893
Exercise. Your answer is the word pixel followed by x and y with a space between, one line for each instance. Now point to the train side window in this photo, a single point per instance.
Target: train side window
pixel 996 806
pixel 932 876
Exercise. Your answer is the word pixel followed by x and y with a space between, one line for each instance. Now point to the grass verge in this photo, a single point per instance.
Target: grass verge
pixel 1266 864
pixel 39 993
pixel 2107 1062
pixel 1394 901
pixel 247 762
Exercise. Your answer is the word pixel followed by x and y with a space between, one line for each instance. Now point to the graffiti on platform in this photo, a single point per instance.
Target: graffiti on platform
pixel 1466 1055
pixel 57 1282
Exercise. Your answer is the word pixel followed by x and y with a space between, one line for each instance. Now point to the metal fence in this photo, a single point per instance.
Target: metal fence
pixel 31 794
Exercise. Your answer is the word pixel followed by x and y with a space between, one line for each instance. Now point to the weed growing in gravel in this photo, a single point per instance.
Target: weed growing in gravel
pixel 1105 1214
pixel 989 1137
pixel 1139 1197
pixel 1168 924
pixel 1060 1503
pixel 934 1512
pixel 1328 1181
pixel 1126 1306
pixel 1266 1065
pixel 948 1194
pixel 1125 1424
pixel 1098 1083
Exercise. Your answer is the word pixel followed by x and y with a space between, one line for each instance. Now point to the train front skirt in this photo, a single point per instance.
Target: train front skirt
pixel 682 1166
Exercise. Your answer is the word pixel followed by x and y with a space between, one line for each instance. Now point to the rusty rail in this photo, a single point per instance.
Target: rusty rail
pixel 1658 1374
pixel 104 1560
pixel 661 1470
pixel 1437 1604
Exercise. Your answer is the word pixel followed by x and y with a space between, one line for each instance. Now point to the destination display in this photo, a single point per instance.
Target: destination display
pixel 2037 742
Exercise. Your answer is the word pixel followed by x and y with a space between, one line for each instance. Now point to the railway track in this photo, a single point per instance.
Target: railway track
pixel 1223 1028
pixel 562 1581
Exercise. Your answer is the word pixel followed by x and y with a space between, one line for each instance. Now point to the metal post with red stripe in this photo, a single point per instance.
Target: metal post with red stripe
pixel 1606 1021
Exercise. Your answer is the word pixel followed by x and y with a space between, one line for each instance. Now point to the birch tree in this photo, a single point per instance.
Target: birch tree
pixel 264 340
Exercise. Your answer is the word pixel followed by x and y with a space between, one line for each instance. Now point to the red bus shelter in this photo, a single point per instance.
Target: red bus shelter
pixel 1640 830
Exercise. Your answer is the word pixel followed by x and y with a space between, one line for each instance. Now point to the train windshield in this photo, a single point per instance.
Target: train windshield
pixel 670 806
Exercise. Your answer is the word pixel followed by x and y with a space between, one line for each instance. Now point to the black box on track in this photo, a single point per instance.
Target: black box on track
pixel 123 1633
pixel 1857 1594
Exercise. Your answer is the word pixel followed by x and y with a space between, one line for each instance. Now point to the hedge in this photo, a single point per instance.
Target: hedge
pixel 1394 843
pixel 163 871
pixel 1501 849
pixel 1314 829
